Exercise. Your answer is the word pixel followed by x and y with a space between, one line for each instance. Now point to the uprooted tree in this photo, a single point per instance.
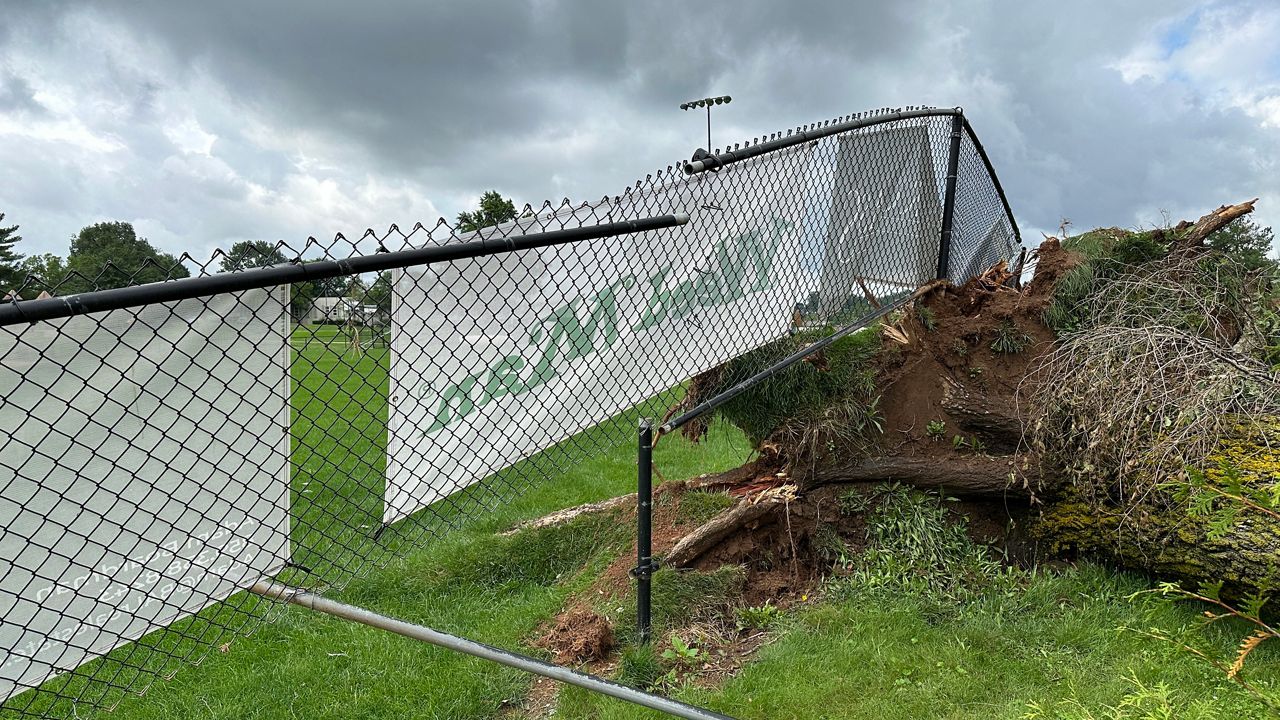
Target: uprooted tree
pixel 1115 404
pixel 1124 404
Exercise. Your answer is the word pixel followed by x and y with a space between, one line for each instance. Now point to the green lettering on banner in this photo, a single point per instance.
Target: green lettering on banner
pixel 656 309
pixel 565 338
pixel 504 379
pixel 459 393
pixel 733 265
pixel 763 253
pixel 741 264
pixel 545 369
pixel 602 321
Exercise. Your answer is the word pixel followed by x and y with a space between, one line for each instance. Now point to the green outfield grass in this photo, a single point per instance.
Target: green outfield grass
pixel 1053 638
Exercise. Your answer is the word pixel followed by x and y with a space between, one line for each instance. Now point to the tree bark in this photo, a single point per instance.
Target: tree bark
pixel 987 416
pixel 1169 543
pixel 974 476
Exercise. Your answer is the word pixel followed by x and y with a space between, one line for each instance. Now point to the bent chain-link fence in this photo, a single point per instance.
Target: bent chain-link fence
pixel 161 457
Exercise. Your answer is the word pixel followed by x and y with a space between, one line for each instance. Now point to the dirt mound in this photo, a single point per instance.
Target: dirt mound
pixel 579 635
pixel 967 349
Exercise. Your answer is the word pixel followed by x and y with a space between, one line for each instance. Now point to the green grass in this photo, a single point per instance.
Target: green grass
pixel 466 581
pixel 925 627
pixel 1054 644
pixel 804 394
pixel 1053 639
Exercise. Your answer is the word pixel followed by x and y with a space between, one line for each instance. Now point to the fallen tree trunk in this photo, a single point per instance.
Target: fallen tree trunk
pixel 1168 544
pixel 976 476
pixel 949 385
pixel 949 390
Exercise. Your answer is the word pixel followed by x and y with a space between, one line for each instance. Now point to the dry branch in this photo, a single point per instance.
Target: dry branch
pixel 560 517
pixel 1194 234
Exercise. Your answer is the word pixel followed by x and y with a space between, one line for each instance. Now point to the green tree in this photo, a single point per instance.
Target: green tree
pixel 47 270
pixel 333 287
pixel 1247 242
pixel 11 274
pixel 252 254
pixel 494 209
pixel 380 293
pixel 111 255
pixel 248 254
pixel 356 289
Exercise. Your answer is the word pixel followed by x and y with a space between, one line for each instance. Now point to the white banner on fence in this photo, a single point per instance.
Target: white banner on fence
pixel 498 358
pixel 148 460
pixel 885 216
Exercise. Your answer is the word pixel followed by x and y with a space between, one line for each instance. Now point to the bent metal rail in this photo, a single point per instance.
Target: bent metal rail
pixel 302 421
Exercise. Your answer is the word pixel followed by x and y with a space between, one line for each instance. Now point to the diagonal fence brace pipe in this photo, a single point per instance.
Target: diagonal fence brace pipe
pixel 714 402
pixel 319 603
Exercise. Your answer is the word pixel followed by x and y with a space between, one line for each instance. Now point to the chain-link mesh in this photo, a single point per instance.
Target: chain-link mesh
pixel 161 458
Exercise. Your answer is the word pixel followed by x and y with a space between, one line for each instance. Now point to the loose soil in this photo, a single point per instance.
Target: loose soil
pixel 956 359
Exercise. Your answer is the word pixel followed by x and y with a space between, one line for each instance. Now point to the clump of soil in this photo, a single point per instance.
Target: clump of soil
pixel 579 635
pixel 950 373
pixel 777 554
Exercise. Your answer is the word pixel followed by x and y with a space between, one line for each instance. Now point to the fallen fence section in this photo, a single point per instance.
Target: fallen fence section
pixel 298 416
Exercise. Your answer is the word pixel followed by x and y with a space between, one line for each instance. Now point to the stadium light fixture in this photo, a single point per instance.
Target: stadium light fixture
pixel 707 103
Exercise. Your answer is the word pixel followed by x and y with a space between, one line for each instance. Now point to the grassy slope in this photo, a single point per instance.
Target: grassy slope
pixel 1058 644
pixel 863 656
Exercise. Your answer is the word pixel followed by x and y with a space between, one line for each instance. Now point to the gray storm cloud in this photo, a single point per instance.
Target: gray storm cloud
pixel 209 123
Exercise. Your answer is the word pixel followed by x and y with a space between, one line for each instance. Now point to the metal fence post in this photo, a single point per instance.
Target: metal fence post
pixel 949 197
pixel 645 566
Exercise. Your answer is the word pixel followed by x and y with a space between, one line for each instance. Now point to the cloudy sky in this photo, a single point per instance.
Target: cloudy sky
pixel 208 123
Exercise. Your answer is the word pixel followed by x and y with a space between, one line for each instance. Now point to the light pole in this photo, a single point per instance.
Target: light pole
pixel 707 103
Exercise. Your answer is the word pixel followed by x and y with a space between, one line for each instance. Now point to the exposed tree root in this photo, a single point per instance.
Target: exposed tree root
pixel 735 519
pixel 973 476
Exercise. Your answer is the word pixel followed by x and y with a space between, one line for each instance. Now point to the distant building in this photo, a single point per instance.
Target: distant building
pixel 341 310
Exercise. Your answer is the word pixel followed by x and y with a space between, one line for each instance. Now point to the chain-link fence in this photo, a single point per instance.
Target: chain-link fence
pixel 170 444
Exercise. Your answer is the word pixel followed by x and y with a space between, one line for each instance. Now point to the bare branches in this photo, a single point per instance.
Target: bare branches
pixel 1139 404
pixel 1153 382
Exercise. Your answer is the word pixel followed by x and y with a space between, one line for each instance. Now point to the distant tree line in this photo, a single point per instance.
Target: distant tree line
pixel 102 255
pixel 111 254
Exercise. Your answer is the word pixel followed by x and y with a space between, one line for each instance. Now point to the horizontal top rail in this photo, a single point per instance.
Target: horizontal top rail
pixel 28 311
pixel 800 137
pixel 729 157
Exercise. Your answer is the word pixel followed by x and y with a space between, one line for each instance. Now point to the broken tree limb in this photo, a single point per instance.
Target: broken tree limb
pixel 1194 234
pixel 560 517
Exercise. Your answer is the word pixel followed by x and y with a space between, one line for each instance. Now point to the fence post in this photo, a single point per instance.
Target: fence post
pixel 645 566
pixel 949 197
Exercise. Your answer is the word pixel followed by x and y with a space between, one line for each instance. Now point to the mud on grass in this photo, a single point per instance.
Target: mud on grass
pixel 731 601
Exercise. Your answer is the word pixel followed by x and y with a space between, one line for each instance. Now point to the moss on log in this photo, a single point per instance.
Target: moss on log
pixel 1241 549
